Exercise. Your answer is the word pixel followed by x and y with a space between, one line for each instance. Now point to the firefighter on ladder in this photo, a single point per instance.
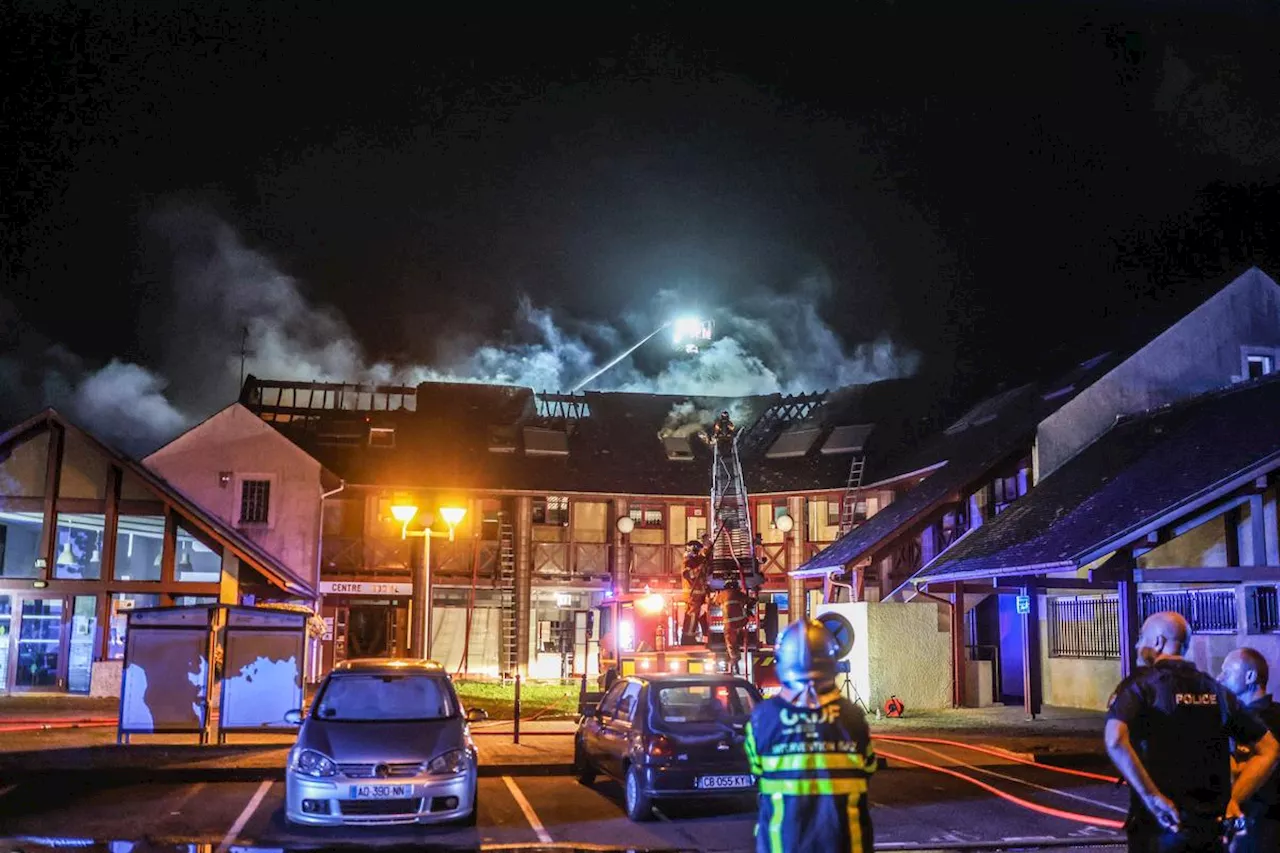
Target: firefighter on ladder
pixel 693 577
pixel 811 750
pixel 735 622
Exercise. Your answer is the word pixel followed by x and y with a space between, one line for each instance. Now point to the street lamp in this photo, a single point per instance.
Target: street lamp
pixel 420 618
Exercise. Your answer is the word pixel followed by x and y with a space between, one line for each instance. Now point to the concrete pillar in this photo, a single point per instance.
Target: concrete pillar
pixel 621 548
pixel 797 548
pixel 523 579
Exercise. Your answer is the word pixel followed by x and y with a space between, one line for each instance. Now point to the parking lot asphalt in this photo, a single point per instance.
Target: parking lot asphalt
pixel 913 809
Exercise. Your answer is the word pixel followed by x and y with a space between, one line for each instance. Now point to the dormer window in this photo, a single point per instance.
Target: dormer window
pixel 1258 366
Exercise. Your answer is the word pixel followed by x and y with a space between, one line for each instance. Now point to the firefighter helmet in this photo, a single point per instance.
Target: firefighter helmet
pixel 806 654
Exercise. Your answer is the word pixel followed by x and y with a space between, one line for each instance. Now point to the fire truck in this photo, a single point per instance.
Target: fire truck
pixel 634 629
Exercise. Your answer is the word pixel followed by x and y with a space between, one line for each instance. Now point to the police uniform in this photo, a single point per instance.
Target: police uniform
pixel 813 765
pixel 1180 722
pixel 1262 810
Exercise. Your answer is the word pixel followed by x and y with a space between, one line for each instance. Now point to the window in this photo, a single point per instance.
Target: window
pixel 833 513
pixel 1084 626
pixel 779 510
pixel 704 703
pixel 1258 366
pixel 1264 610
pixel 628 702
pixel 255 501
pixel 551 510
pixel 646 516
pixel 382 437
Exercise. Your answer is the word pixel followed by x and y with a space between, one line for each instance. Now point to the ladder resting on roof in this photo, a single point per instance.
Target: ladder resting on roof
pixel 852 489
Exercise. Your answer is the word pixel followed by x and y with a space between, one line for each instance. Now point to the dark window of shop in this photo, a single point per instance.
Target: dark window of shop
pixel 551 510
pixel 647 516
pixel 490 520
pixel 255 501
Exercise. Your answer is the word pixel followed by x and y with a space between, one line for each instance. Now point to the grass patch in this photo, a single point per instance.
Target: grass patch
pixel 546 700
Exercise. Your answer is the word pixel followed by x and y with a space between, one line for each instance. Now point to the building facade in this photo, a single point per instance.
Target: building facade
pixel 544 480
pixel 86 534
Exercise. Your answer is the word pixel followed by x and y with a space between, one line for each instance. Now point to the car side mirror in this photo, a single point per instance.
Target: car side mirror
pixel 293 717
pixel 477 715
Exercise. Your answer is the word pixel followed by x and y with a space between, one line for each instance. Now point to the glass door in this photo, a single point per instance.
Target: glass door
pixel 39 644
pixel 84 634
pixel 6 624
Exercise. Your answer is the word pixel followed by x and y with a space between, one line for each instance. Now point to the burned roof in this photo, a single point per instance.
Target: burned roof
pixel 1145 468
pixel 506 438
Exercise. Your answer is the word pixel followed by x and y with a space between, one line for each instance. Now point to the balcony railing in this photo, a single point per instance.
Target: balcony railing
pixel 478 558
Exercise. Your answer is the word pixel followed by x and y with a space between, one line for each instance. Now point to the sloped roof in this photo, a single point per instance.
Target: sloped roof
pixel 245 549
pixel 959 455
pixel 1145 469
pixel 616 448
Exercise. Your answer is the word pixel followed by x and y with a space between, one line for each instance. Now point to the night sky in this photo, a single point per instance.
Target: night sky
pixel 979 185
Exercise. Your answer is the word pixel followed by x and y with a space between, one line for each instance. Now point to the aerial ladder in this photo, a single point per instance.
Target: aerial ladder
pixel 731 546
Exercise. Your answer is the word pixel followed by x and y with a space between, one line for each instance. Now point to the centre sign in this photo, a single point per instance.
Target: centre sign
pixel 364 588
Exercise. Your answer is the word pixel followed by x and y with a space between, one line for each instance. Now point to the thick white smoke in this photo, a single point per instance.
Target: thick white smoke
pixel 223 295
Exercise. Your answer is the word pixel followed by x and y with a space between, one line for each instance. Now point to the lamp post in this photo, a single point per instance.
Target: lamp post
pixel 420 619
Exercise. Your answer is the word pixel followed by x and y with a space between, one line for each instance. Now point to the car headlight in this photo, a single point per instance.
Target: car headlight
pixel 308 762
pixel 451 763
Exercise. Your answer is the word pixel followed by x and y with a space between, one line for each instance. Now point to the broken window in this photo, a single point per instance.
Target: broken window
pixel 551 510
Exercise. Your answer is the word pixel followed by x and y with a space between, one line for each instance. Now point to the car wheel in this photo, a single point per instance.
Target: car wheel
pixel 638 802
pixel 582 765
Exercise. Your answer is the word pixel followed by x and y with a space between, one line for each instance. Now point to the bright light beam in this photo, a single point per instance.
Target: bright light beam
pixel 634 347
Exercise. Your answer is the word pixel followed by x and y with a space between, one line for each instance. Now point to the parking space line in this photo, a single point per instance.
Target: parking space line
pixel 186 798
pixel 529 814
pixel 249 809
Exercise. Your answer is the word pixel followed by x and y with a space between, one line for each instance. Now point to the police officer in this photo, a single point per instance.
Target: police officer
pixel 1168 729
pixel 1245 673
pixel 811 750
pixel 693 577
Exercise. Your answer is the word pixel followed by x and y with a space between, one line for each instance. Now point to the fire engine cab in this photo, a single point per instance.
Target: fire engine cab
pixel 635 631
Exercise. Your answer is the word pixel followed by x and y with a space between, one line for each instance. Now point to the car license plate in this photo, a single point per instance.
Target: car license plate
pixel 726 781
pixel 381 792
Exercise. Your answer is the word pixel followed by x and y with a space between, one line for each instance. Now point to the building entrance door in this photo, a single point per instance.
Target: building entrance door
pixel 37 648
pixel 369 631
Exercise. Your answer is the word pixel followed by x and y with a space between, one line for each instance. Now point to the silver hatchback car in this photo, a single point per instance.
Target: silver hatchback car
pixel 386 742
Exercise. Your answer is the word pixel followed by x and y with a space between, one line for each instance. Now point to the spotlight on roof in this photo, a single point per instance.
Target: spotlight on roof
pixel 692 333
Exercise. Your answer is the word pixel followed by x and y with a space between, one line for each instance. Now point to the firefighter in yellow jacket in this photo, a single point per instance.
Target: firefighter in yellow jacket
pixel 811 750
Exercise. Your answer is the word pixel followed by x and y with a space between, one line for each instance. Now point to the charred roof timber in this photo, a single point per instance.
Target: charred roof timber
pixel 265 395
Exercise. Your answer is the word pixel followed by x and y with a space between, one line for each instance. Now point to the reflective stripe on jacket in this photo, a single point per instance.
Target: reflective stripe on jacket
pixel 813 765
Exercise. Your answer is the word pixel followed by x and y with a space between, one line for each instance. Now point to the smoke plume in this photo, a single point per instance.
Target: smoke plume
pixel 224 297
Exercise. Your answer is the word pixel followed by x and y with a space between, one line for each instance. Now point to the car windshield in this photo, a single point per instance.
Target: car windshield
pixel 382 697
pixel 704 703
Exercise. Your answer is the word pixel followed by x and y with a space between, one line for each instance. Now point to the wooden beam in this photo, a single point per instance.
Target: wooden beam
pixel 1129 615
pixel 959 659
pixel 1209 574
pixel 169 547
pixel 1258 530
pixel 1231 535
pixel 1075 583
pixel 107 555
pixel 1208 514
pixel 52 477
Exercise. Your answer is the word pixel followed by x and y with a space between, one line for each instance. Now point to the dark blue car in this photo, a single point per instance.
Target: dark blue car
pixel 677 736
